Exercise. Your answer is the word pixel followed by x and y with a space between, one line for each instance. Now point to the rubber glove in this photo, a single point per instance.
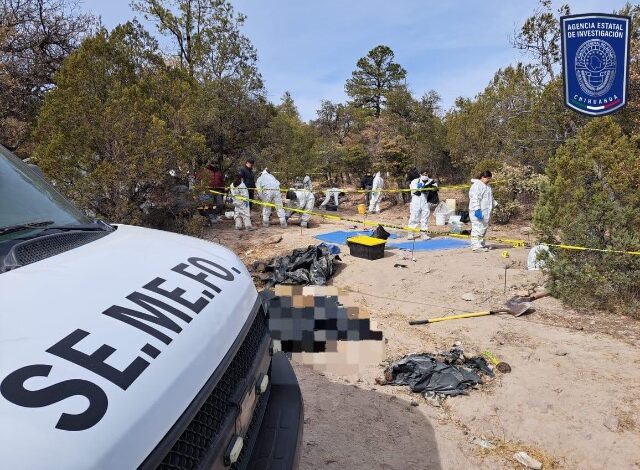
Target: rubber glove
pixel 478 214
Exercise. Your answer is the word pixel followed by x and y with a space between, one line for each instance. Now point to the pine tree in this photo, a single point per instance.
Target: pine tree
pixel 375 77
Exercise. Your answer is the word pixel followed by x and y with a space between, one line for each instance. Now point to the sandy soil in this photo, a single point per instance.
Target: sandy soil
pixel 572 399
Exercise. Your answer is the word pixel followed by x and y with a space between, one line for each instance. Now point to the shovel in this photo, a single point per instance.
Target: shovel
pixel 513 307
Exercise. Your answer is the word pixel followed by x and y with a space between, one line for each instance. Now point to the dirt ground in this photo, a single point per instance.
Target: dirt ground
pixel 572 399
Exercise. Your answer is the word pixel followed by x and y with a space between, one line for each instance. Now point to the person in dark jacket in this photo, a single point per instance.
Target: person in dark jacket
pixel 246 173
pixel 367 184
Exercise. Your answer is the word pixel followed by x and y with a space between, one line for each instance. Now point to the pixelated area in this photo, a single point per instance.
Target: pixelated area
pixel 323 329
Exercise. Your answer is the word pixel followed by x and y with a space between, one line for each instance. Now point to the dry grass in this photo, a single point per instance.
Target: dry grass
pixel 626 421
pixel 503 448
pixel 506 450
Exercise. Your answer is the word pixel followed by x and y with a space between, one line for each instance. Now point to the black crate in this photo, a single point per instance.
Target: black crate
pixel 366 252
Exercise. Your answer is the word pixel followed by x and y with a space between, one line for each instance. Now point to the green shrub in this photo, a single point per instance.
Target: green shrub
pixel 488 164
pixel 592 200
pixel 518 183
pixel 505 212
pixel 117 124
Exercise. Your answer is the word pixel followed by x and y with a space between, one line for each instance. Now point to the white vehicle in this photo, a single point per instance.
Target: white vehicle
pixel 123 347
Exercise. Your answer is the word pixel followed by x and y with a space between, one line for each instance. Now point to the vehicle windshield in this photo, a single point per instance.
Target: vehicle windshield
pixel 27 198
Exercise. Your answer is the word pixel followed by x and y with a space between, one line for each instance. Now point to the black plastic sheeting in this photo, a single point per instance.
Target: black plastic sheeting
pixel 448 374
pixel 381 233
pixel 464 216
pixel 304 266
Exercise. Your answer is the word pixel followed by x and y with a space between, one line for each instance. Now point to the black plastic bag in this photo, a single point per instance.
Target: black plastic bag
pixel 304 266
pixel 450 376
pixel 381 233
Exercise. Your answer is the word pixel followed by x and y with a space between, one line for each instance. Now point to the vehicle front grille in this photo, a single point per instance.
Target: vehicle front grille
pixel 46 246
pixel 198 436
pixel 250 434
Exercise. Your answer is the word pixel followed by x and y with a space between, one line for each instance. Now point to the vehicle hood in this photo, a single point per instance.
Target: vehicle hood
pixel 43 303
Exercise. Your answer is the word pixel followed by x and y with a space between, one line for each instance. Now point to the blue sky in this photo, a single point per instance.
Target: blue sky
pixel 310 47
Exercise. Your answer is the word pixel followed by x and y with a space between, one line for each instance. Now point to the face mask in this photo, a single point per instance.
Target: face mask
pixel 424 178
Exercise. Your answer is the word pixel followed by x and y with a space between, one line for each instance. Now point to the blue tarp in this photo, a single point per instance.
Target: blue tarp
pixel 436 243
pixel 340 237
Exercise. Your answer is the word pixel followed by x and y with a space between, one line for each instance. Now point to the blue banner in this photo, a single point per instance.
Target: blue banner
pixel 595 58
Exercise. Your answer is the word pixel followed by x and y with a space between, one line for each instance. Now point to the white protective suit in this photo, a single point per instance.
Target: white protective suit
pixel 480 197
pixel 306 183
pixel 335 192
pixel 241 212
pixel 268 188
pixel 376 196
pixel 419 209
pixel 305 200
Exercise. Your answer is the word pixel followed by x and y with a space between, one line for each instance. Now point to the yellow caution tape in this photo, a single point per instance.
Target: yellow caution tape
pixel 326 216
pixel 402 190
pixel 583 248
pixel 374 223
pixel 363 191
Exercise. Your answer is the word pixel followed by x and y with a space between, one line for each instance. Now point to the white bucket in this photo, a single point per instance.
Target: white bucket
pixel 441 219
pixel 454 219
pixel 229 215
